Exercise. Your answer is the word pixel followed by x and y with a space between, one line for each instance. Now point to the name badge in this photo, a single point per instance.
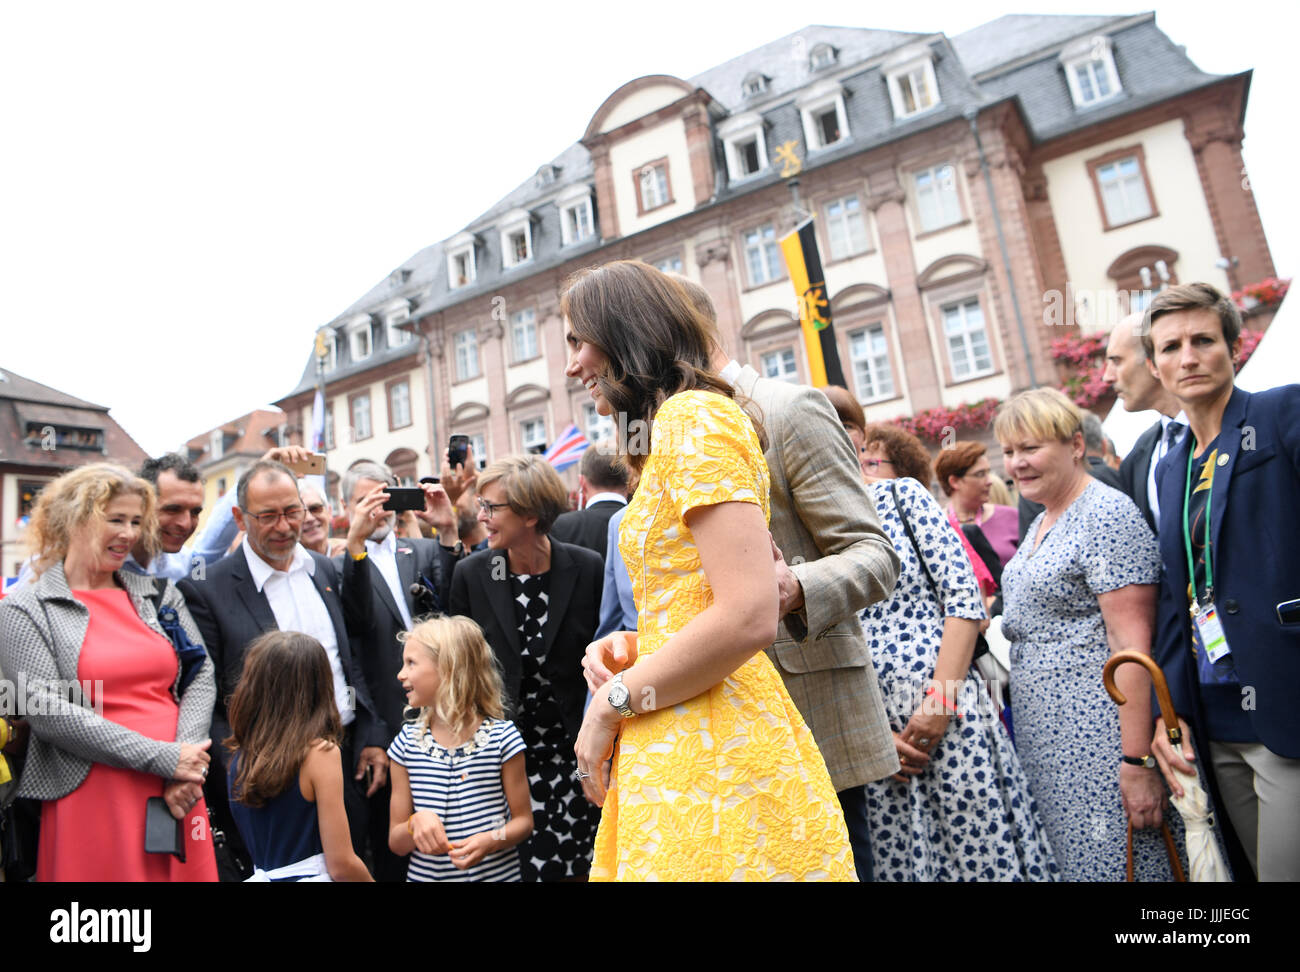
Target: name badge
pixel 1209 632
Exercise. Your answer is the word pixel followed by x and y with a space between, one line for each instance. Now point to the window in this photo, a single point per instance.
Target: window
pixel 827 126
pixel 781 365
pixel 328 342
pixel 652 185
pixel 869 353
pixel 1122 185
pixel 576 222
pixel 597 427
pixel 532 436
pixel 763 255
pixel 846 228
pixel 822 56
pixel 399 404
pixel 397 334
pixel 937 204
pixel 516 239
pixel 216 440
pixel 361 417
pixel 754 84
pixel 968 343
pixel 27 493
pixel 911 82
pixel 461 268
pixel 822 111
pixel 523 335
pixel 329 426
pixel 745 145
pixel 359 335
pixel 1090 71
pixel 672 264
pixel 466 344
pixel 479 444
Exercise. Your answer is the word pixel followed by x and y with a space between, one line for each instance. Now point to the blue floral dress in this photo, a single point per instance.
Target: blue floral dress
pixel 969 816
pixel 1067 727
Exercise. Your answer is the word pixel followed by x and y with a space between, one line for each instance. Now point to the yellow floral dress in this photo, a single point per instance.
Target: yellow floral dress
pixel 729 785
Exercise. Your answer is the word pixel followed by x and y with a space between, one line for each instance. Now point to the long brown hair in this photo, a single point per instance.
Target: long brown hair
pixel 284 703
pixel 469 682
pixel 656 340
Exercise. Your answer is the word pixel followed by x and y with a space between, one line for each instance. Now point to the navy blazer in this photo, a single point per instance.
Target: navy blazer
pixel 1256 558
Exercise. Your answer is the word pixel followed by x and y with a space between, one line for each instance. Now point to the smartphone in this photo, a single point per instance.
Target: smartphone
pixel 1288 612
pixel 404 498
pixel 456 449
pixel 314 465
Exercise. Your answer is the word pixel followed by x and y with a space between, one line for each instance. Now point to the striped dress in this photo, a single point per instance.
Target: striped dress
pixel 463 787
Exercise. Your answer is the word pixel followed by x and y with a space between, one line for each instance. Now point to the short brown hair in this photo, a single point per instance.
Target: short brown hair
pixel 956 460
pixel 603 468
pixel 909 457
pixel 531 486
pixel 1192 296
pixel 81 496
pixel 846 407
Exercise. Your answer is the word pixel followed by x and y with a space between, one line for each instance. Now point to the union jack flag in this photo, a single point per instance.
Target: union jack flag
pixel 567 449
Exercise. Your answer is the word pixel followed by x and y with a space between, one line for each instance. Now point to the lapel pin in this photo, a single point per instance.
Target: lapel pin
pixel 1223 458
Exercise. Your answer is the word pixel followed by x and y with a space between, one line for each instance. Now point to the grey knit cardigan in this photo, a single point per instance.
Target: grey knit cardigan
pixel 42 628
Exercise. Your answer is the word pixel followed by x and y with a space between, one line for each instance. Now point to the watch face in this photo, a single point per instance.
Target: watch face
pixel 618 696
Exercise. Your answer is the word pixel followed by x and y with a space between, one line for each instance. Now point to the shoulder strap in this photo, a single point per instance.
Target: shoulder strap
pixel 934 588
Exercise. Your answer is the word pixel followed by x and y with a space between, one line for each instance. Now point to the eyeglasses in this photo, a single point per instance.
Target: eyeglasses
pixel 293 516
pixel 874 464
pixel 490 508
pixel 315 509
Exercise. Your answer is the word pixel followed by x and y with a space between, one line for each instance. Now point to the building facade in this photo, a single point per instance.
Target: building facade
pixel 975 197
pixel 222 454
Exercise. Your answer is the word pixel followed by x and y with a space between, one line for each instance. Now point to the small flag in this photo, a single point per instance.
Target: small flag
pixel 805 266
pixel 567 449
pixel 318 422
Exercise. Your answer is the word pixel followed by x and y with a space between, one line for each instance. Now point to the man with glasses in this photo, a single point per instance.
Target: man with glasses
pixel 273 583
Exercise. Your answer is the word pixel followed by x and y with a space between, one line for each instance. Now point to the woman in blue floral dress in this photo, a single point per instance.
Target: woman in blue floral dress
pixel 960 808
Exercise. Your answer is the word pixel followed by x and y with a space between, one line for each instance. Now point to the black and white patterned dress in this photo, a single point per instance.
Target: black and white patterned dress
pixel 970 815
pixel 564 822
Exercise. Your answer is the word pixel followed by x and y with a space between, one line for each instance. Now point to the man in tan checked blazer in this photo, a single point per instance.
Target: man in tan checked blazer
pixel 839 561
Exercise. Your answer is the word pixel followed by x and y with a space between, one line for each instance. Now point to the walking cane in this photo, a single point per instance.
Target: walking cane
pixel 1172 729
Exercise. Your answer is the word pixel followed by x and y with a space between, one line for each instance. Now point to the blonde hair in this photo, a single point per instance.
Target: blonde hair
pixel 80 497
pixel 1040 413
pixel 532 488
pixel 469 684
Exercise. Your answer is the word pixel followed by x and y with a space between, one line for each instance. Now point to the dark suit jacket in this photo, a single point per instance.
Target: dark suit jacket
pixel 1133 471
pixel 480 589
pixel 379 650
pixel 231 613
pixel 587 528
pixel 1255 550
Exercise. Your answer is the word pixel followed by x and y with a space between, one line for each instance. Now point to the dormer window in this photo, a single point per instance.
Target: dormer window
pixel 461 268
pixel 397 334
pixel 825 122
pixel 912 86
pixel 1090 71
pixel 327 348
pixel 746 146
pixel 576 221
pixel 516 239
pixel 216 440
pixel 359 338
pixel 753 85
pixel 822 56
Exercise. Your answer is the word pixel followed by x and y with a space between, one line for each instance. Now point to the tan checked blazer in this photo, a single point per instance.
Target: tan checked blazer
pixel 825 523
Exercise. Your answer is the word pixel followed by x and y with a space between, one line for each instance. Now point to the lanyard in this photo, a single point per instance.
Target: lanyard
pixel 1187 531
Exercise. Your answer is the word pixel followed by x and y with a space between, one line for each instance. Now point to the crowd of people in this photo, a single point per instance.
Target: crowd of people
pixel 760 649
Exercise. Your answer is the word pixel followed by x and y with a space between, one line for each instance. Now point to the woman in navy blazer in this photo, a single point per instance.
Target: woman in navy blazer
pixel 1241 465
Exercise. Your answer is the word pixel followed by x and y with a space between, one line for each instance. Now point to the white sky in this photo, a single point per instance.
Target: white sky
pixel 190 190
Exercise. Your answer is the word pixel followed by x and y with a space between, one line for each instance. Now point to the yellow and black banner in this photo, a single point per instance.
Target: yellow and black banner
pixel 805 266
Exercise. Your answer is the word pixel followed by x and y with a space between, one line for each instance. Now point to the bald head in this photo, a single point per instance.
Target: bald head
pixel 1126 370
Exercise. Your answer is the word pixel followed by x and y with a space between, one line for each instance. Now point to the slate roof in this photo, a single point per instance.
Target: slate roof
pixel 24 402
pixel 1014 36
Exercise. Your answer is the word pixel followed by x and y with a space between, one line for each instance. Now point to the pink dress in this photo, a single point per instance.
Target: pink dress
pixel 96 832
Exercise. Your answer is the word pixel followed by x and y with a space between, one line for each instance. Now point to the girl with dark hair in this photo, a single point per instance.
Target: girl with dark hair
pixel 716 776
pixel 286 775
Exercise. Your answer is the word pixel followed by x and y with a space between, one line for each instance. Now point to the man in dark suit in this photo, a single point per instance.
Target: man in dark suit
pixel 408 578
pixel 274 583
pixel 604 483
pixel 1140 391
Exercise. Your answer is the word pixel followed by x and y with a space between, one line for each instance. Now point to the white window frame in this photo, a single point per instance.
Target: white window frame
pixel 814 103
pixel 369 416
pixel 963 305
pixel 880 376
pixel 465 354
pixel 331 359
pixel 659 180
pixel 398 335
pixel 753 85
pixel 515 222
pixel 764 242
pixel 787 365
pixel 597 427
pixel 946 215
pixel 523 325
pixel 582 204
pixel 529 441
pixel 858 211
pixel 461 248
pixel 478 442
pixel 736 131
pixel 1095 54
pixel 358 334
pixel 921 68
pixel 821 57
pixel 1125 185
pixel 405 385
pixel 216 443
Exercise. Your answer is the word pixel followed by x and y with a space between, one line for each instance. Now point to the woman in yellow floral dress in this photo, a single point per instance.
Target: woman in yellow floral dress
pixel 716 777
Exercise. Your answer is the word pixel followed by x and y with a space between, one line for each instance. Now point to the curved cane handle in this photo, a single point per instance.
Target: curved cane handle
pixel 1158 679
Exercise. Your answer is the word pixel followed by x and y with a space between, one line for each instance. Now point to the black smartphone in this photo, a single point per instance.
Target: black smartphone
pixel 404 498
pixel 456 449
pixel 1288 612
pixel 162 831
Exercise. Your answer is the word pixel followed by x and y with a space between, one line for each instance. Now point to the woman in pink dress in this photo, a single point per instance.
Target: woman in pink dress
pixel 114 719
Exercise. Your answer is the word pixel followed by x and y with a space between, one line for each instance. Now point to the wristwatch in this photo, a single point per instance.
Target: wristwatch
pixel 456 551
pixel 1146 762
pixel 619 695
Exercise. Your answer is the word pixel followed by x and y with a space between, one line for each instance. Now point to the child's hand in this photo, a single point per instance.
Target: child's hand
pixel 468 852
pixel 430 838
